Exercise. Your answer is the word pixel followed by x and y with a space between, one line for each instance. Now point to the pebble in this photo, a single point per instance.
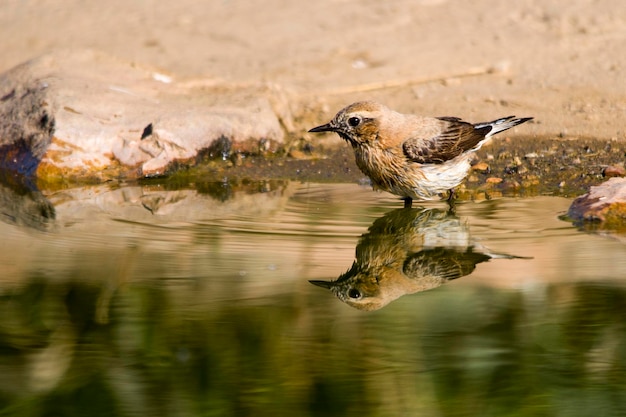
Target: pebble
pixel 482 167
pixel 614 171
pixel 511 185
pixel 297 154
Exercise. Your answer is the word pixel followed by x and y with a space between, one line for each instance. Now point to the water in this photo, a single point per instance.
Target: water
pixel 148 301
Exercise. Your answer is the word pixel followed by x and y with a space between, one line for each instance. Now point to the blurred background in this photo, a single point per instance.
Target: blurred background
pixel 561 62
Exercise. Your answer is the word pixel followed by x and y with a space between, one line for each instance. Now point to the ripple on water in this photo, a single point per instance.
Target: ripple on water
pixel 293 227
pixel 210 299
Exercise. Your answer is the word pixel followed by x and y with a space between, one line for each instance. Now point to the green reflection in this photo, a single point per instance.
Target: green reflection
pixel 476 351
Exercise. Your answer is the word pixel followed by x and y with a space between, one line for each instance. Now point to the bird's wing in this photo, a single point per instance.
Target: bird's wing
pixel 444 263
pixel 455 137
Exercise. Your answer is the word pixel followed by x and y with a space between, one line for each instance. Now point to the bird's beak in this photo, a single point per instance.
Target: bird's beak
pixel 324 128
pixel 324 284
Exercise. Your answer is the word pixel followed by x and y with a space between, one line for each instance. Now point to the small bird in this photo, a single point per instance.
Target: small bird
pixel 406 252
pixel 412 156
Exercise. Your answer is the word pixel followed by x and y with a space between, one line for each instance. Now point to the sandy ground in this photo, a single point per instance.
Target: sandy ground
pixel 563 62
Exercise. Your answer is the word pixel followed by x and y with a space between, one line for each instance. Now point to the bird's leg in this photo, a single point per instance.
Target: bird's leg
pixel 408 202
pixel 451 195
pixel 451 200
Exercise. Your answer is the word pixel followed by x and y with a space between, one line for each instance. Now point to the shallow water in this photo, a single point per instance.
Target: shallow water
pixel 149 301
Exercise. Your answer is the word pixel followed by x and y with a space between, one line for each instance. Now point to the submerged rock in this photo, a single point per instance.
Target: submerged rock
pixel 87 115
pixel 605 203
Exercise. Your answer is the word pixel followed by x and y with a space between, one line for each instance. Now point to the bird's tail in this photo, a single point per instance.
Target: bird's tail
pixel 496 255
pixel 502 124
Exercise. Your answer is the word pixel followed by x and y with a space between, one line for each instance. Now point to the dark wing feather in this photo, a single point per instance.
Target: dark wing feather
pixel 444 263
pixel 456 137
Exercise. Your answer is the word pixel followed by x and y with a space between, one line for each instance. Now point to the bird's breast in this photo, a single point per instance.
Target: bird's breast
pixel 384 166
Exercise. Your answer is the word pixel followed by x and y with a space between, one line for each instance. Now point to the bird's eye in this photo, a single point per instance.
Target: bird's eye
pixel 354 121
pixel 354 293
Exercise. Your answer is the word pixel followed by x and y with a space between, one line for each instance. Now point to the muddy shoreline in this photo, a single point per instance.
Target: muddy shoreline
pixel 516 166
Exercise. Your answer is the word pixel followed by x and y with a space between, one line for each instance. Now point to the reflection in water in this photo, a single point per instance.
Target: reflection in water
pixel 163 351
pixel 407 251
pixel 22 204
pixel 157 301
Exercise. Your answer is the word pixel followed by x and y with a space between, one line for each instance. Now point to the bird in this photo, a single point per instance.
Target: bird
pixel 406 252
pixel 414 157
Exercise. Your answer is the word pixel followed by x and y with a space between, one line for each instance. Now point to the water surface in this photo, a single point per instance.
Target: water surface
pixel 143 300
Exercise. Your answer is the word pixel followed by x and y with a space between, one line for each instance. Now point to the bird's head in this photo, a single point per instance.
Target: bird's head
pixel 358 123
pixel 360 287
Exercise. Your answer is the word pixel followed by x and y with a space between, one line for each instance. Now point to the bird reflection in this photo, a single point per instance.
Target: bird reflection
pixel 407 251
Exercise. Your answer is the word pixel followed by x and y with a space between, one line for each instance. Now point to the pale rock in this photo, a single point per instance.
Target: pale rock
pixel 85 114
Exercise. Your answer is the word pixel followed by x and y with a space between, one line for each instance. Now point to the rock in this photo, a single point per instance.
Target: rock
pixel 614 171
pixel 88 115
pixel 604 203
pixel 297 154
pixel 481 167
pixel 510 185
